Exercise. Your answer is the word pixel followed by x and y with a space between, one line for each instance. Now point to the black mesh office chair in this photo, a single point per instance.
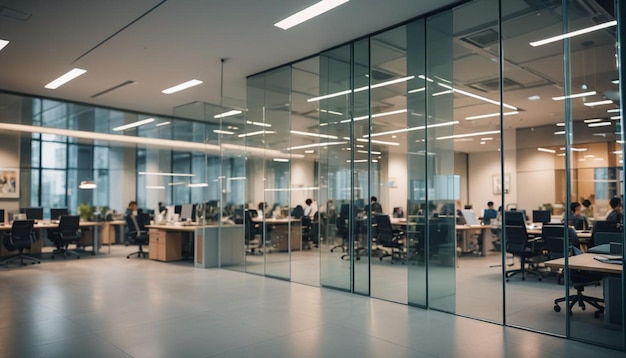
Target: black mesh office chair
pixel 388 237
pixel 136 235
pixel 251 231
pixel 19 239
pixel 342 228
pixel 67 233
pixel 553 237
pixel 518 244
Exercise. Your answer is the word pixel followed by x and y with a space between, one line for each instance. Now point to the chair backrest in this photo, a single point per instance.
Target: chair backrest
pixel 607 237
pixel 297 212
pixel 143 219
pixel 22 230
pixel 238 216
pixel 516 238
pixel 553 237
pixel 69 224
pixel 132 224
pixel 383 228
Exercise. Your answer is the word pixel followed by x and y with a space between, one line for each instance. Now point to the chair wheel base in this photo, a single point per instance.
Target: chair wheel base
pixel 557 308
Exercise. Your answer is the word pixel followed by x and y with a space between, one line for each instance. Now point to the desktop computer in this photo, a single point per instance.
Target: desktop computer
pixel 33 213
pixel 56 213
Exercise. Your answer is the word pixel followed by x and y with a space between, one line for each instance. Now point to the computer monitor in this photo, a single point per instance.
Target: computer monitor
pixel 56 213
pixel 1 216
pixel 33 213
pixel 514 218
pixel 177 209
pixel 541 216
pixel 187 212
pixel 470 217
pixel 398 212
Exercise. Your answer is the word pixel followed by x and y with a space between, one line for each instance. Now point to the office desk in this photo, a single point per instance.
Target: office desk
pixel 166 243
pixel 466 231
pixel 281 231
pixel 611 281
pixel 36 247
pixel 108 231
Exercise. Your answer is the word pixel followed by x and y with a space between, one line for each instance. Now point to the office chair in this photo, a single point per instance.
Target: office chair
pixel 342 228
pixel 20 238
pixel 306 233
pixel 518 244
pixel 136 235
pixel 388 237
pixel 251 230
pixel 67 233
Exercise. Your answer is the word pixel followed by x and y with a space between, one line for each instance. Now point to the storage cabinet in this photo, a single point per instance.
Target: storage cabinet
pixel 165 245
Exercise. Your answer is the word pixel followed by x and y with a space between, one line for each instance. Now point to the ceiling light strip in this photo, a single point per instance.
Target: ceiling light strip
pixel 3 44
pixel 182 86
pixel 598 103
pixel 546 150
pixel 314 145
pixel 134 124
pixel 469 94
pixel 309 13
pixel 575 95
pixel 471 118
pixel 468 135
pixel 573 33
pixel 599 124
pixel 70 75
pixel 234 112
pixel 314 134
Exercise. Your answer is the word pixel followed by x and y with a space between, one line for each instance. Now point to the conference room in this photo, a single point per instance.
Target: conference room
pixel 428 117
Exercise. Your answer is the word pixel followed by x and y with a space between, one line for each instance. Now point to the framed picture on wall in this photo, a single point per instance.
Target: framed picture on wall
pixel 9 183
pixel 497 183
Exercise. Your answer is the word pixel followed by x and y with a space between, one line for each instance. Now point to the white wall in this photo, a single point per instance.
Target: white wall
pixel 396 193
pixel 122 177
pixel 10 158
pixel 302 177
pixel 535 178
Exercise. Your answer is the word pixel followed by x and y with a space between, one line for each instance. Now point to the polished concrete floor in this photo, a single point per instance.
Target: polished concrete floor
pixel 109 306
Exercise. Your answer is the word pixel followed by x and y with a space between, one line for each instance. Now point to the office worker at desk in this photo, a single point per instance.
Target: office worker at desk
pixel 374 207
pixel 131 210
pixel 310 208
pixel 490 213
pixel 577 219
pixel 615 215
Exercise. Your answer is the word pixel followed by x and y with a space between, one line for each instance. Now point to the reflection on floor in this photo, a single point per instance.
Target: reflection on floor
pixel 473 290
pixel 109 306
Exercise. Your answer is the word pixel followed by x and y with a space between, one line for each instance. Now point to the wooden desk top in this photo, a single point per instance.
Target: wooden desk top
pixel 51 225
pixel 275 221
pixel 585 262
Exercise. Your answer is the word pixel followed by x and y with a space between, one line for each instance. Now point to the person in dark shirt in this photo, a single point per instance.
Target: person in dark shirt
pixel 374 206
pixel 616 214
pixel 490 213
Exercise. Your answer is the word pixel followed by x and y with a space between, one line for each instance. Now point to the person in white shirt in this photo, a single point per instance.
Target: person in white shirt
pixel 310 209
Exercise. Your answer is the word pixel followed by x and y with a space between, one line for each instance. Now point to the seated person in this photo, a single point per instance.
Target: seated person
pixel 615 215
pixel 374 207
pixel 577 219
pixel 489 214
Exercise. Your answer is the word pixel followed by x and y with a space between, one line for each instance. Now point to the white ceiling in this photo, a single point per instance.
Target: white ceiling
pixel 159 44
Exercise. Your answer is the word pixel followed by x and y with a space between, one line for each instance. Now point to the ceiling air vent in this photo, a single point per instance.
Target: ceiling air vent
pixel 483 38
pixel 494 85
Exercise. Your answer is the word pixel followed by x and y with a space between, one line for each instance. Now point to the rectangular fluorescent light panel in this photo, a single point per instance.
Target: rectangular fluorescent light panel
pixel 167 174
pixel 598 103
pixel 134 124
pixel 546 150
pixel 219 131
pixel 3 43
pixel 73 73
pixel 163 124
pixel 576 95
pixel 309 13
pixel 181 86
pixel 234 112
pixel 573 33
pixel 198 185
pixel 614 110
pixel 491 115
pixel 599 124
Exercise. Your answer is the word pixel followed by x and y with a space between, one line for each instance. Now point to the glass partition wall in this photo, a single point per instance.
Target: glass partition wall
pixel 458 123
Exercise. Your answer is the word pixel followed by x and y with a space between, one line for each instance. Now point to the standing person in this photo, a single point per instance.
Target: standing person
pixel 615 214
pixel 310 209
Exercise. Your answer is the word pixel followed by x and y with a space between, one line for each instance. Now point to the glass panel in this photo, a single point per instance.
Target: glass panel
pixel 596 168
pixel 476 157
pixel 415 186
pixel 443 185
pixel 334 106
pixel 305 263
pixel 281 233
pixel 387 162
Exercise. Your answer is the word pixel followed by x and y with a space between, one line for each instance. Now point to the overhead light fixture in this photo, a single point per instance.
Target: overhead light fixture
pixel 234 112
pixel 482 142
pixel 491 115
pixel 331 112
pixel 417 90
pixel 197 185
pixel 559 132
pixel 219 131
pixel 370 152
pixel 309 13
pixel 330 95
pixel 487 138
pixel 598 103
pixel 614 110
pixel 377 115
pixel 283 160
pixel 73 73
pixel 155 187
pixel 134 124
pixel 360 89
pixel 443 124
pixel 425 78
pixel 177 183
pixel 615 82
pixel 593 120
pixel 616 117
pixel 314 134
pixel 469 94
pixel 321 144
pixel 546 150
pixel 242 135
pixel 476 134
pixel 575 95
pixel 599 124
pixel 259 124
pixel 3 44
pixel 87 184
pixel 560 124
pixel 377 141
pixel 163 124
pixel 309 151
pixel 182 86
pixel 167 174
pixel 573 33
pixel 441 93
pixel 534 98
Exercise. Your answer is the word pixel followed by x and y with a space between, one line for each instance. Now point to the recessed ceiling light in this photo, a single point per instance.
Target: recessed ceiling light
pixel 534 98
pixel 309 13
pixel 546 150
pixel 3 43
pixel 234 112
pixel 283 160
pixel 482 142
pixel 593 120
pixel 614 110
pixel 70 75
pixel 163 124
pixel 615 82
pixel 573 33
pixel 309 151
pixel 559 132
pixel 182 86
pixel 134 124
pixel 598 103
pixel 575 95
pixel 599 124
pixel 560 124
pixel 219 131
